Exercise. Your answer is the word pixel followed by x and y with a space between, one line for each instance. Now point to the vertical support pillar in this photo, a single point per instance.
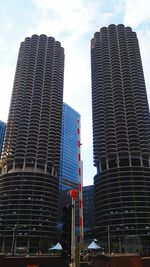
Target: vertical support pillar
pixel 24 165
pixel 3 245
pixel 13 165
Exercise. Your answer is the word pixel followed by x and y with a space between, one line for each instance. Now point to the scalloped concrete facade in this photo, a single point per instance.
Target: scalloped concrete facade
pixel 31 152
pixel 121 139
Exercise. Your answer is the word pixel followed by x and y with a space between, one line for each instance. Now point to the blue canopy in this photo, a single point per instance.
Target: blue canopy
pixel 58 246
pixel 93 245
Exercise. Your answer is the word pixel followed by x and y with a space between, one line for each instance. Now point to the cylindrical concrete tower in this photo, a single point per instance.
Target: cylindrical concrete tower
pixel 121 139
pixel 31 152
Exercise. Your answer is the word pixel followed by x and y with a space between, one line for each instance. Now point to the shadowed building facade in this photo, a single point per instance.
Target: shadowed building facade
pixel 29 178
pixel 121 140
pixel 88 207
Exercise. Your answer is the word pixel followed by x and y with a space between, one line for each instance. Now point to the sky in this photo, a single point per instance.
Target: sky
pixel 73 23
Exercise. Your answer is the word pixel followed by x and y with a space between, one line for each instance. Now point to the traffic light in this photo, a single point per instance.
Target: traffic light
pixel 66 231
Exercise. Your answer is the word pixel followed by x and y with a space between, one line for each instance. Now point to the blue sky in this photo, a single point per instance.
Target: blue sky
pixel 73 23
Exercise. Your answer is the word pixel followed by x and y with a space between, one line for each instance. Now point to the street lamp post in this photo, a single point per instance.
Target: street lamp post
pixel 119 244
pixel 13 240
pixel 108 236
pixel 16 226
pixel 73 194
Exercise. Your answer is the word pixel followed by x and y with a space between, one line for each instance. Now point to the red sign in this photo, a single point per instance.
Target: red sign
pixel 73 193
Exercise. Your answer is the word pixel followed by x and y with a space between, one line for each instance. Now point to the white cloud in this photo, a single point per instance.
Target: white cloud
pixel 8 24
pixel 137 16
pixel 7 76
pixel 118 8
pixel 144 41
pixel 136 12
pixel 1 41
pixel 74 17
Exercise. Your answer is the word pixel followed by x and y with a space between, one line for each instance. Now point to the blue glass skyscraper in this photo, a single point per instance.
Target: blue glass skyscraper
pixel 69 148
pixel 2 132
